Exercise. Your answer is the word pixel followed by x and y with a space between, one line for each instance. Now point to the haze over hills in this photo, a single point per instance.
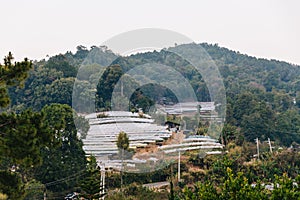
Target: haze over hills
pixel 248 81
pixel 160 100
pixel 262 103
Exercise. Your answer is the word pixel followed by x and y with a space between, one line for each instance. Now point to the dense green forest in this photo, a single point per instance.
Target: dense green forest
pixel 255 88
pixel 41 147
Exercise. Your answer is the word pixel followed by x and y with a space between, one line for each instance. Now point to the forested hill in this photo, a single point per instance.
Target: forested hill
pixel 234 67
pixel 41 151
pixel 256 88
pixel 251 70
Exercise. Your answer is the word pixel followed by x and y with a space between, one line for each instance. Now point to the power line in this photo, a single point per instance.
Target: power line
pixel 39 172
pixel 60 180
pixel 66 178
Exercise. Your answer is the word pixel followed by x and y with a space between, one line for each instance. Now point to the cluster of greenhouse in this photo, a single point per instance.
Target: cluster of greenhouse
pixel 143 133
pixel 196 142
pixel 102 136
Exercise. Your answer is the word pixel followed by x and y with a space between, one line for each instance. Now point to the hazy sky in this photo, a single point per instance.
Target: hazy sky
pixel 263 28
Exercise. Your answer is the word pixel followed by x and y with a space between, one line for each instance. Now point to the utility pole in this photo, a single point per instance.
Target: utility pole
pixel 178 166
pixel 257 146
pixel 121 172
pixel 102 181
pixel 269 141
pixel 45 194
pixel 122 88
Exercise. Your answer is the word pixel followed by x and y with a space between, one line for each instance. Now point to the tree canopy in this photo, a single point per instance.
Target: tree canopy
pixel 12 74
